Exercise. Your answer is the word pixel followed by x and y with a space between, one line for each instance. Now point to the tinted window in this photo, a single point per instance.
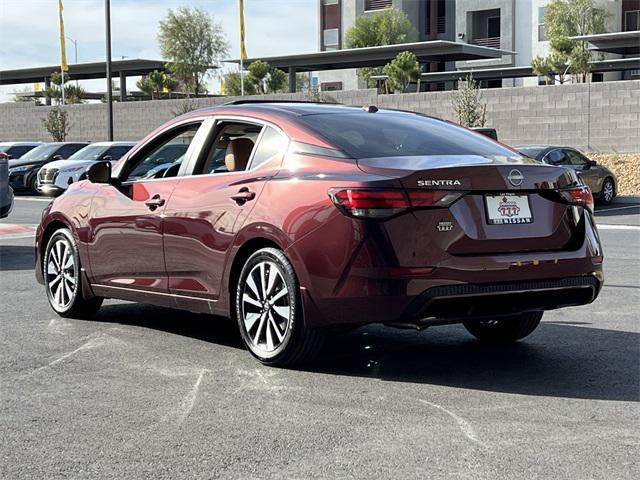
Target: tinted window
pixel 272 144
pixel 67 150
pixel 557 157
pixel 530 152
pixel 117 152
pixel 41 152
pixel 17 152
pixel 395 134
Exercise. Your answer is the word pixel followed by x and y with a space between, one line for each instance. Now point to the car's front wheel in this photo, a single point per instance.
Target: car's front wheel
pixel 504 330
pixel 268 310
pixel 61 269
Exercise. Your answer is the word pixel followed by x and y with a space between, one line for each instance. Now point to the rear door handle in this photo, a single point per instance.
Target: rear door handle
pixel 154 202
pixel 243 196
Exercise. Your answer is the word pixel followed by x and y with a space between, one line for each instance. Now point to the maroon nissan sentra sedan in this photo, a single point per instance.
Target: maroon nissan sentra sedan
pixel 295 218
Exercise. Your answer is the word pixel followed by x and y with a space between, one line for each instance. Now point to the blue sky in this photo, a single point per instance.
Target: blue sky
pixel 29 30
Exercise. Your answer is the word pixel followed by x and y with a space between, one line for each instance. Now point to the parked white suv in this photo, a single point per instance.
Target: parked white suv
pixel 55 177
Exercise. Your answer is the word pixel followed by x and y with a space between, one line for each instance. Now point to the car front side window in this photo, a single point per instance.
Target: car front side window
pixel 163 155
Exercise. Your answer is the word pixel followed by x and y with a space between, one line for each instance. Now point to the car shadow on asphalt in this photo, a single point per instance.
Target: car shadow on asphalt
pixel 568 359
pixel 16 257
pixel 560 359
pixel 208 328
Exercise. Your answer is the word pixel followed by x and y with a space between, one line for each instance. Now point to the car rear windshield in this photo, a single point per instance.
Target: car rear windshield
pixel 398 134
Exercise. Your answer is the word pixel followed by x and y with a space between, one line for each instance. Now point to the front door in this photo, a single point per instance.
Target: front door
pixel 590 173
pixel 127 219
pixel 209 207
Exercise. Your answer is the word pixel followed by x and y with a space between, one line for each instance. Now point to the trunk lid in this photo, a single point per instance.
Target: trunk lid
pixel 497 189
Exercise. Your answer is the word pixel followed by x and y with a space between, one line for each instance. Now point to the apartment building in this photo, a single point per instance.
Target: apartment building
pixel 512 25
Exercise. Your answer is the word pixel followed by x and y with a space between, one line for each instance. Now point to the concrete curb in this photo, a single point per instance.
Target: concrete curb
pixel 627 199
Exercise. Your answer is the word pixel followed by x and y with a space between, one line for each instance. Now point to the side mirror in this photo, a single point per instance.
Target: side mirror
pixel 106 158
pixel 99 172
pixel 58 157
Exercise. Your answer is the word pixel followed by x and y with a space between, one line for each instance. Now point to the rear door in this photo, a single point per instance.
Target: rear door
pixel 127 220
pixel 210 205
pixel 590 173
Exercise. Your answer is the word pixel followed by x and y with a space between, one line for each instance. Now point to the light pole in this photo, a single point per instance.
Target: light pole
pixel 75 53
pixel 107 24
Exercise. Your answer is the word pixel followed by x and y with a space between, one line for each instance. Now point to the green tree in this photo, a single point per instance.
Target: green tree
pixel 72 93
pixel 277 80
pixel 156 84
pixel 258 75
pixel 57 124
pixel 402 70
pixel 468 105
pixel 387 27
pixel 232 85
pixel 193 43
pixel 565 19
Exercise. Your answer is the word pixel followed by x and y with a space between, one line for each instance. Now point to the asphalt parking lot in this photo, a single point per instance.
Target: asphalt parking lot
pixel 147 392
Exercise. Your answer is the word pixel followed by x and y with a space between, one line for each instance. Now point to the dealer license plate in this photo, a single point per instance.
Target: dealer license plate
pixel 508 208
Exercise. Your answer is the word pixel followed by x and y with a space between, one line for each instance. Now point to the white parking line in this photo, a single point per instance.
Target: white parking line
pixel 617 208
pixel 34 199
pixel 605 226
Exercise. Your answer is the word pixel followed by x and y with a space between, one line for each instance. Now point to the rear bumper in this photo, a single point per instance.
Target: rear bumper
pixel 460 302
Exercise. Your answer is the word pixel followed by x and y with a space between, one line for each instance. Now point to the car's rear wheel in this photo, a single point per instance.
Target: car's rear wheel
pixel 62 278
pixel 504 330
pixel 269 312
pixel 608 192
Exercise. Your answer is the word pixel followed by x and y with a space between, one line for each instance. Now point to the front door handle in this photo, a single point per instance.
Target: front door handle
pixel 154 202
pixel 243 196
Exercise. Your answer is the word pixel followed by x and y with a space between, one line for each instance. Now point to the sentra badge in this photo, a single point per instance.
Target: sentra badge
pixel 438 183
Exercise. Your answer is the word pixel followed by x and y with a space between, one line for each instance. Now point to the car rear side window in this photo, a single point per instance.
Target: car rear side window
pixel 272 144
pixel 399 134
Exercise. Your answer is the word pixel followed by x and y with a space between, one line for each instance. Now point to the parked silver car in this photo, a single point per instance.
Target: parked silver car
pixel 602 181
pixel 55 177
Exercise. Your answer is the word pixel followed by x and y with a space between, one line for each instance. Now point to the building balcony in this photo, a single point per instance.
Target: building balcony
pixel 491 42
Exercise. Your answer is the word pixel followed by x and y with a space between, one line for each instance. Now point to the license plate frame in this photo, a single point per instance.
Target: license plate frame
pixel 508 209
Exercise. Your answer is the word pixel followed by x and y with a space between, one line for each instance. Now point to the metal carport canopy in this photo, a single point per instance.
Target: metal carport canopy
pixel 431 51
pixel 83 71
pixel 622 43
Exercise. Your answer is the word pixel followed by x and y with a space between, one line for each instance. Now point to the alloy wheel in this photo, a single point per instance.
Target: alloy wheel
pixel 265 307
pixel 61 273
pixel 607 191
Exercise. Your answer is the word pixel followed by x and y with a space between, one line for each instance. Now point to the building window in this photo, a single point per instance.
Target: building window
pixel 330 39
pixel 330 86
pixel 330 22
pixel 377 4
pixel 485 28
pixel 631 20
pixel 441 16
pixel 542 30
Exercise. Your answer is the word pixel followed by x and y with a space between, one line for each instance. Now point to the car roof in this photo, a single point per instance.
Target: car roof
pixel 286 107
pixel 113 144
pixel 17 144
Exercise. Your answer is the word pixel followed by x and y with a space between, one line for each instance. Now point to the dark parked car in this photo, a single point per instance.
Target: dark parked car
pixel 294 218
pixel 17 149
pixel 23 173
pixel 6 192
pixel 600 179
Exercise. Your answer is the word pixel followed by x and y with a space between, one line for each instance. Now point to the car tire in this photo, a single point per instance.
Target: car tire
pixel 504 330
pixel 608 192
pixel 33 184
pixel 268 311
pixel 63 280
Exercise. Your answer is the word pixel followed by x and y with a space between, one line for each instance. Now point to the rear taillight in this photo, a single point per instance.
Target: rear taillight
pixel 578 196
pixel 369 203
